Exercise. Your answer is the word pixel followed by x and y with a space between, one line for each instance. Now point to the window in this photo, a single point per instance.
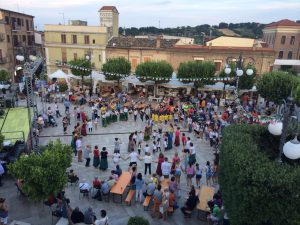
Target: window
pixel 29 40
pixel 75 56
pixel 63 39
pixel 1 59
pixel 283 40
pixel 134 63
pixel 270 68
pixel 100 58
pixel 19 21
pixel 94 41
pixel 8 38
pixel 7 20
pixel 64 55
pixel 27 25
pixel 290 55
pixel 292 42
pixel 280 55
pixel 24 38
pixel 147 59
pixel 74 39
pixel 86 39
pixel 218 66
pixel 22 22
pixel 15 40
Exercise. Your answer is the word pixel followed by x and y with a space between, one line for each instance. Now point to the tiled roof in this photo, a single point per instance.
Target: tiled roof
pixel 108 8
pixel 283 23
pixel 131 42
pixel 201 47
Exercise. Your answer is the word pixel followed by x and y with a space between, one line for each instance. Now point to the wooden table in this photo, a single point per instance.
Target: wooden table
pixel 205 194
pixel 120 186
pixel 127 104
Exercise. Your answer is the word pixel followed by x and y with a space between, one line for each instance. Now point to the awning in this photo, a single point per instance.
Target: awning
pixel 287 62
pixel 58 74
pixel 175 83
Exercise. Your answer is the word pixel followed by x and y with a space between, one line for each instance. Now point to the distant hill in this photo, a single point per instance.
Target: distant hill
pixel 248 30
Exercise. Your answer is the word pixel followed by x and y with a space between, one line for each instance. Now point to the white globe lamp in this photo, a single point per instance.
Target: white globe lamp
pixel 20 58
pixel 32 57
pixel 291 149
pixel 249 72
pixel 275 128
pixel 239 72
pixel 227 70
pixel 87 57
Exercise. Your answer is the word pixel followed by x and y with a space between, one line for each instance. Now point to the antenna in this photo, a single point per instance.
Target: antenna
pixel 63 15
pixel 159 24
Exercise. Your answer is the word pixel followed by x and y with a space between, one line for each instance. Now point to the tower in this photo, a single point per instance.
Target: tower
pixel 109 17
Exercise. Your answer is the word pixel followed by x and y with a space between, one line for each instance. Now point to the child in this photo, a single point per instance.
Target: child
pixel 198 175
pixel 57 111
pixel 154 179
pixel 139 147
pixel 158 145
pixel 116 157
pixel 165 144
pixel 96 122
pixel 183 139
pixel 90 125
pixel 154 147
pixel 190 172
pixel 154 134
pixel 147 148
pixel 177 173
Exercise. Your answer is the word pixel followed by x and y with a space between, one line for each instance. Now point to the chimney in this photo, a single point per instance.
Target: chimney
pixel 158 39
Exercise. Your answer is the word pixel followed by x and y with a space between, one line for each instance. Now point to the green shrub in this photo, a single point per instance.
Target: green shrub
pixel 63 87
pixel 136 220
pixel 257 190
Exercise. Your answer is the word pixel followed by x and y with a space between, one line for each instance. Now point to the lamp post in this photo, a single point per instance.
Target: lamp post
pixel 290 149
pixel 88 57
pixel 238 70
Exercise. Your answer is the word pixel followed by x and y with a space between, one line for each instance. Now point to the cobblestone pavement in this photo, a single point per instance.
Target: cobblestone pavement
pixel 34 213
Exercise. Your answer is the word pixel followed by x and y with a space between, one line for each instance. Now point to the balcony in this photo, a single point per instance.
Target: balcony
pixel 3 60
pixel 15 28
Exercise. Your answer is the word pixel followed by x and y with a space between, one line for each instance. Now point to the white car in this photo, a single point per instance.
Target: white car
pixel 4 84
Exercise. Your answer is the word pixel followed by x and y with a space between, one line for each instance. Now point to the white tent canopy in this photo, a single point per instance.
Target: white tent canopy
pixel 175 83
pixel 58 74
pixel 219 86
pixel 287 62
pixel 135 81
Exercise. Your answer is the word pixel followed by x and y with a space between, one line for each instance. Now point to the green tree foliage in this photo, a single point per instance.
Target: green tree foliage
pixel 255 189
pixel 1 142
pixel 276 86
pixel 159 71
pixel 194 69
pixel 115 66
pixel 45 173
pixel 136 220
pixel 63 87
pixel 81 67
pixel 4 75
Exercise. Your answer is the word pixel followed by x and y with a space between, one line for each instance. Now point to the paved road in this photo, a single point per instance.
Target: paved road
pixel 34 213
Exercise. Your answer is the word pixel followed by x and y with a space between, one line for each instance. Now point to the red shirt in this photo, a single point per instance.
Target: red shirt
pixel 96 183
pixel 96 153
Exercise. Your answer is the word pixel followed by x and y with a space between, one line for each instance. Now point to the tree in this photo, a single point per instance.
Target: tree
pixel 158 72
pixel 195 70
pixel 136 220
pixel 81 67
pixel 4 75
pixel 255 189
pixel 276 86
pixel 116 68
pixel 43 174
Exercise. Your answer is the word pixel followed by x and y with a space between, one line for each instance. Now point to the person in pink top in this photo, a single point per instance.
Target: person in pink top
pixel 177 137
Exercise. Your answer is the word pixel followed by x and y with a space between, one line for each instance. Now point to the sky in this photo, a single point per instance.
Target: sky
pixel 163 13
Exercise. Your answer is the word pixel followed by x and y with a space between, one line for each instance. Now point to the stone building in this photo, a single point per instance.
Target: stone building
pixel 138 50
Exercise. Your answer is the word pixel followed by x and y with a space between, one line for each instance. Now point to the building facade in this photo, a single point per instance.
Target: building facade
pixel 109 17
pixel 284 38
pixel 142 50
pixel 16 37
pixel 66 42
pixel 77 40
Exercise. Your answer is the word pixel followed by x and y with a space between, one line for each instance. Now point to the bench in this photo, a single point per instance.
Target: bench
pixel 146 202
pixel 62 221
pixel 129 197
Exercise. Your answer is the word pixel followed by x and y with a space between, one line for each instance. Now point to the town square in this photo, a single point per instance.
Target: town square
pixel 123 122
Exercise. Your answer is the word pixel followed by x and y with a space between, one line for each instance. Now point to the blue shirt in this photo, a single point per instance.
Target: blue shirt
pixel 1 169
pixel 139 184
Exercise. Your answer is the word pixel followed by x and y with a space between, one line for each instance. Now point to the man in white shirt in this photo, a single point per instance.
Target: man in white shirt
pixel 103 220
pixel 148 161
pixel 166 168
pixel 78 145
pixel 133 158
pixel 84 187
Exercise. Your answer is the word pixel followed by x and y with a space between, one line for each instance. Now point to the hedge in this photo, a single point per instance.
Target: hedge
pixel 257 190
pixel 136 220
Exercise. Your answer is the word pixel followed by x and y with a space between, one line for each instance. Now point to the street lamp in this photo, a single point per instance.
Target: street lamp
pixel 88 57
pixel 290 149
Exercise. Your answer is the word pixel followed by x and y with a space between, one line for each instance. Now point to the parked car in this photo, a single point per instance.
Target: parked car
pixel 4 84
